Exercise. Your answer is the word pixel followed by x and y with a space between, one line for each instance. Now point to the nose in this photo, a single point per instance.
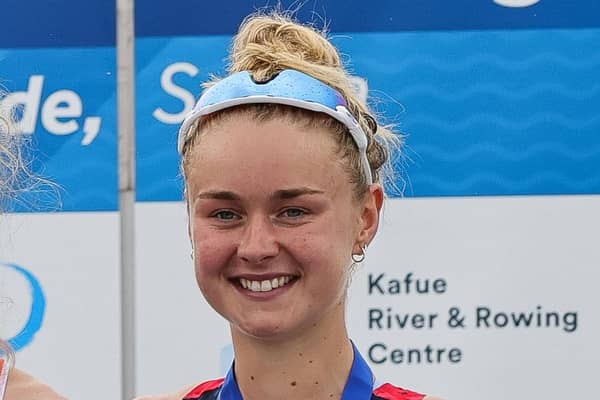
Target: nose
pixel 258 242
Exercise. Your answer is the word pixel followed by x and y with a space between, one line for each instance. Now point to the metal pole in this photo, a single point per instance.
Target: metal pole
pixel 126 129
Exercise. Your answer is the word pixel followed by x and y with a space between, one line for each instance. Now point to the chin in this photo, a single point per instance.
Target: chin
pixel 262 331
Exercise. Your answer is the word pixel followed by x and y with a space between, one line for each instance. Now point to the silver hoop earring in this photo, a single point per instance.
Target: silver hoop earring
pixel 358 258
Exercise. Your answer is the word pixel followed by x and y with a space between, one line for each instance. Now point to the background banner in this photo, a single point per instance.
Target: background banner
pixel 480 283
pixel 507 109
pixel 59 254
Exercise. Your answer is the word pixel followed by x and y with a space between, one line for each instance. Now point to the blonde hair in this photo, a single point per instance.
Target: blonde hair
pixel 15 173
pixel 11 159
pixel 265 45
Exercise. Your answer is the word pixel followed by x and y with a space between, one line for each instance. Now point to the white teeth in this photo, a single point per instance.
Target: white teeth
pixel 266 285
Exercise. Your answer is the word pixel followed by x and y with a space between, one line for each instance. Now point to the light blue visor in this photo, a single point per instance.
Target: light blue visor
pixel 289 87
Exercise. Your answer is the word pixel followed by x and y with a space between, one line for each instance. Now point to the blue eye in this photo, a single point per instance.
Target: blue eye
pixel 294 212
pixel 225 215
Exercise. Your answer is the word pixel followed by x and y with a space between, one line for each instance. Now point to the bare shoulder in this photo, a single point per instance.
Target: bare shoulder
pixel 171 396
pixel 22 386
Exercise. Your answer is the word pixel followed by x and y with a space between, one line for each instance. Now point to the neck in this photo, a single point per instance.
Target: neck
pixel 315 365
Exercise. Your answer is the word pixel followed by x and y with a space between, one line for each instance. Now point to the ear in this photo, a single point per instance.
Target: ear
pixel 189 213
pixel 369 218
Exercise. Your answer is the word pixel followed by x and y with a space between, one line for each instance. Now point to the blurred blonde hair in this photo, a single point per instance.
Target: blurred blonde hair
pixel 269 43
pixel 11 158
pixel 15 175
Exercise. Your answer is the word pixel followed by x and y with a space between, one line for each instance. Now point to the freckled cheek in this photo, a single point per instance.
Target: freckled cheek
pixel 320 254
pixel 212 254
pixel 210 262
pixel 325 257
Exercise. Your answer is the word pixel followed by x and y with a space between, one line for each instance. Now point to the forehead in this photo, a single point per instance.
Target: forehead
pixel 268 154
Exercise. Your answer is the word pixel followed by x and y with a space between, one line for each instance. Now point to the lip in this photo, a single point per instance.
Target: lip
pixel 261 277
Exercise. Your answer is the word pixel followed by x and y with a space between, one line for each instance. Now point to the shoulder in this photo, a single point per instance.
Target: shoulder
pixel 22 386
pixel 171 396
pixel 387 391
pixel 189 393
pixel 202 390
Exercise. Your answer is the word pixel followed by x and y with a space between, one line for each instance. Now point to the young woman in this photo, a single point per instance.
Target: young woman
pixel 282 165
pixel 20 385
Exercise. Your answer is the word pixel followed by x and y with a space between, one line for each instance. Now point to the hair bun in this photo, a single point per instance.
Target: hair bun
pixel 266 45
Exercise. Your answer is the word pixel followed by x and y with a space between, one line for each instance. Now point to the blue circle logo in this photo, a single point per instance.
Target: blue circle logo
pixel 38 308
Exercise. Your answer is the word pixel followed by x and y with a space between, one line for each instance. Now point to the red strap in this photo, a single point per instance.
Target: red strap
pixel 203 388
pixel 391 392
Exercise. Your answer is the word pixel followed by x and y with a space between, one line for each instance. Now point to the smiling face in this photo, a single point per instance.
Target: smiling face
pixel 273 222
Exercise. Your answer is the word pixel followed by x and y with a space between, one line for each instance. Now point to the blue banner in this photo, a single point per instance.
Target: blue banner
pixel 58 64
pixel 484 112
pixel 192 18
pixel 57 23
pixel 497 97
pixel 66 105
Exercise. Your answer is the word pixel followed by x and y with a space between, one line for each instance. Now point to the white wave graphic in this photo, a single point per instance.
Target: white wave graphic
pixel 533 40
pixel 513 154
pixel 508 185
pixel 478 61
pixel 516 3
pixel 428 121
pixel 497 89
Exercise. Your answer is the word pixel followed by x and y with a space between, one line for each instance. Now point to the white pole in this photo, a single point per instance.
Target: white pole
pixel 126 129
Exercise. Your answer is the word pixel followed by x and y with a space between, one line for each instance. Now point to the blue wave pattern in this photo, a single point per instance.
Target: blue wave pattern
pixel 489 113
pixel 157 162
pixel 485 112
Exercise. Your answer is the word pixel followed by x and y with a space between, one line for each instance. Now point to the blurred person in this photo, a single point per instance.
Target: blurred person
pixel 19 385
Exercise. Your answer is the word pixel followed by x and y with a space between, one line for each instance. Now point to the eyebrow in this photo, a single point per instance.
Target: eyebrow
pixel 283 194
pixel 218 195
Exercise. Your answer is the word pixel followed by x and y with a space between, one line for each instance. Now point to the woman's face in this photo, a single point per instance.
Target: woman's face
pixel 273 223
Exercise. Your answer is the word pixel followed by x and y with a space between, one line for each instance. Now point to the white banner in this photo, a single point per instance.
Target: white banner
pixel 59 277
pixel 474 298
pixel 180 340
pixel 465 298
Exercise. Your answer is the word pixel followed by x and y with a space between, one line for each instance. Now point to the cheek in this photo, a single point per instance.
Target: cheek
pixel 338 240
pixel 327 276
pixel 210 260
pixel 212 251
pixel 325 254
